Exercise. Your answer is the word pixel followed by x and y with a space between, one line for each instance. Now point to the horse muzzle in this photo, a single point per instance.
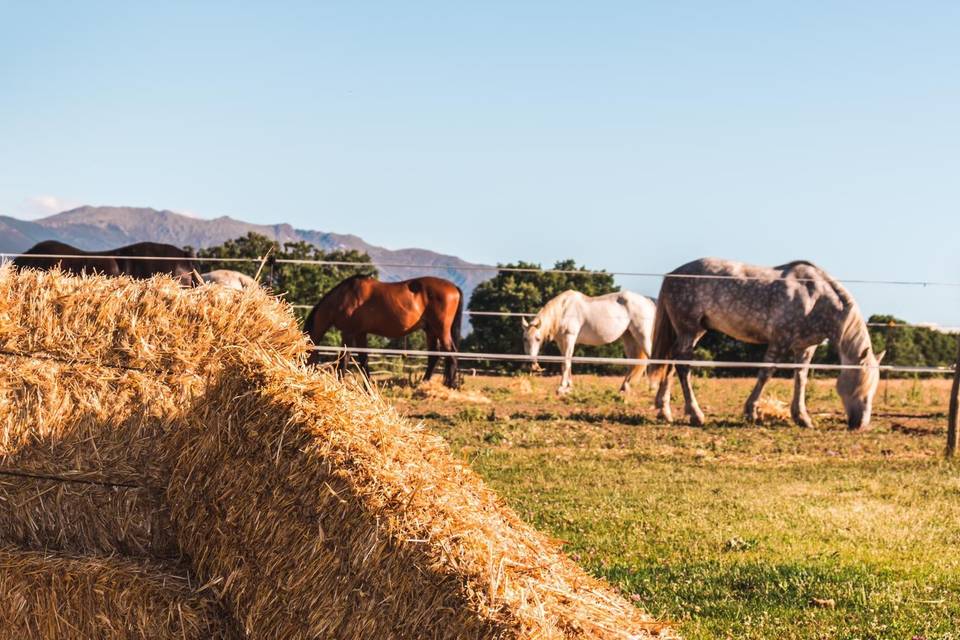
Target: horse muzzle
pixel 535 367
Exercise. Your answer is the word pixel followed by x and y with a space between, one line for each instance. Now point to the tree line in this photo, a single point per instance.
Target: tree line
pixel 527 292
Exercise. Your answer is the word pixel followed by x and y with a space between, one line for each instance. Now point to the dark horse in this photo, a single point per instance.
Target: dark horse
pixel 360 305
pixel 114 262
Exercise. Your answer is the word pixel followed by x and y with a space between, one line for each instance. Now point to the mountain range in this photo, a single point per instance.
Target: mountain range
pixel 96 228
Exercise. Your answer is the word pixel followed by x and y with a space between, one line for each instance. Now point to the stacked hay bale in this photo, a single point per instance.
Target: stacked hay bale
pixel 94 373
pixel 192 435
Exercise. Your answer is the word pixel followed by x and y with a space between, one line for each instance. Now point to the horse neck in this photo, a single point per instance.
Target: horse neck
pixel 550 315
pixel 853 337
pixel 321 317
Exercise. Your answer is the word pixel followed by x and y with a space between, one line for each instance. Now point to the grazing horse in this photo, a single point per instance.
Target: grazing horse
pixel 229 279
pixel 791 308
pixel 573 318
pixel 361 304
pixel 113 262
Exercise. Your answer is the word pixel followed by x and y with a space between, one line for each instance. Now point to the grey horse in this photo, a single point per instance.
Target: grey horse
pixel 791 308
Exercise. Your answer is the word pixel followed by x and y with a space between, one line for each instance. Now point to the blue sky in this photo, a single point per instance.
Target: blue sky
pixel 629 136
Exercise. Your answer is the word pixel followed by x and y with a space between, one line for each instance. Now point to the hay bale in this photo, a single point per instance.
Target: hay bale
pixel 84 518
pixel 78 456
pixel 151 325
pixel 311 508
pixel 46 596
pixel 87 422
pixel 319 512
pixel 93 373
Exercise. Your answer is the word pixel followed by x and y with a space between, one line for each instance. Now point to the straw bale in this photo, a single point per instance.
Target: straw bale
pixel 49 597
pixel 88 422
pixel 84 517
pixel 310 508
pixel 318 512
pixel 152 325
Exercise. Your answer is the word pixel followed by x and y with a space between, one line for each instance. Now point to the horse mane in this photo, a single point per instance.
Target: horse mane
pixel 341 284
pixel 551 313
pixel 854 337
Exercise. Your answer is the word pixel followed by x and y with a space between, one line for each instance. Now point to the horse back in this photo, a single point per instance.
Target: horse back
pixel 135 267
pixel 752 303
pixel 76 265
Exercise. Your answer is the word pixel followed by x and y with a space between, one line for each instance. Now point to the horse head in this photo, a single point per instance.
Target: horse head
pixel 857 388
pixel 532 339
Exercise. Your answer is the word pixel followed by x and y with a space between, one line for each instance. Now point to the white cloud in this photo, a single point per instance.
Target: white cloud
pixel 42 206
pixel 189 214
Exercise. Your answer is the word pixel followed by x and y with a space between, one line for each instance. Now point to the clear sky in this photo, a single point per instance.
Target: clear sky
pixel 627 135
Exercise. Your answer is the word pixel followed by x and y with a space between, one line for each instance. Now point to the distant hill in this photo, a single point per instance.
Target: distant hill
pixel 95 228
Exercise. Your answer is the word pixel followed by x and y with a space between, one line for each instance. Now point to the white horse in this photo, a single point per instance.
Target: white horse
pixel 573 318
pixel 229 279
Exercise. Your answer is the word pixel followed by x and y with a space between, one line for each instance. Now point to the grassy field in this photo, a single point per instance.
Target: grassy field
pixel 730 531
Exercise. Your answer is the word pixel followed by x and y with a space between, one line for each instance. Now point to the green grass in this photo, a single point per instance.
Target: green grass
pixel 734 530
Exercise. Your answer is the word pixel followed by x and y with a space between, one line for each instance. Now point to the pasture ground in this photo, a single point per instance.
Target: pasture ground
pixel 730 531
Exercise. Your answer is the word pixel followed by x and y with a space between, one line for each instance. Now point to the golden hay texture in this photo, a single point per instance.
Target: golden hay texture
pixel 772 410
pixel 435 390
pixel 152 325
pixel 309 507
pixel 86 421
pixel 81 517
pixel 46 596
pixel 319 512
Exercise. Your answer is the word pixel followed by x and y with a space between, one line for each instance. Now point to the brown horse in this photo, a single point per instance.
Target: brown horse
pixel 360 305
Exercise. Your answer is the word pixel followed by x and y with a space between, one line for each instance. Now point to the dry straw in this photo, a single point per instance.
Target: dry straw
pixel 308 506
pixel 320 512
pixel 82 517
pixel 64 598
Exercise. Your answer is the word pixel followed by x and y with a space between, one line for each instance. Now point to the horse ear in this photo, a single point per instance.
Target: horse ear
pixel 535 323
pixel 524 322
pixel 880 356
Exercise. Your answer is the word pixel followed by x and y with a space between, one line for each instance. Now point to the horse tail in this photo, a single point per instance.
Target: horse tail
pixel 664 336
pixel 456 329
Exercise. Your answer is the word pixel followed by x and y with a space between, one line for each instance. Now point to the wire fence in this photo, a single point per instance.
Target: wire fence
pixel 520 314
pixel 709 364
pixel 549 358
pixel 491 269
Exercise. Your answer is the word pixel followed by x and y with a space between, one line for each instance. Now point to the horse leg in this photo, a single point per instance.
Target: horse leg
pixel 450 363
pixel 798 408
pixel 567 343
pixel 684 351
pixel 750 408
pixel 633 350
pixel 663 396
pixel 363 357
pixel 432 343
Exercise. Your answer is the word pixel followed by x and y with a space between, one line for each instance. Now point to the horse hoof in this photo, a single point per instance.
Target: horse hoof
pixel 665 416
pixel 696 420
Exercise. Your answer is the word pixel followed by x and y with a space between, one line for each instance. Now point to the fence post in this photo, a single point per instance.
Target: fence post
pixel 953 419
